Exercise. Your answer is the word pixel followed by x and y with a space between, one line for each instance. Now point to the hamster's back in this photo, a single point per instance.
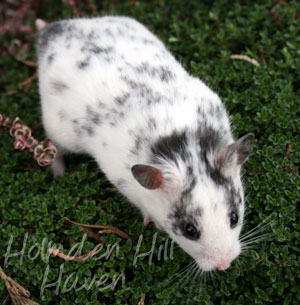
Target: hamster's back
pixel 110 88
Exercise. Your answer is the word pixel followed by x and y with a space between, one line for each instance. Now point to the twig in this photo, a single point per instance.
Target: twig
pixel 18 294
pixel 142 300
pixel 30 63
pixel 71 241
pixel 105 229
pixel 114 231
pixel 10 92
pixel 111 189
pixel 276 6
pixel 288 151
pixel 28 80
pixel 91 234
pixel 81 259
pixel 246 58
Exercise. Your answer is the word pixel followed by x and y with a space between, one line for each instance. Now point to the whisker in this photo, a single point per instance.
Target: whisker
pixel 255 230
pixel 190 266
pixel 213 273
pixel 197 273
pixel 187 277
pixel 180 272
pixel 255 239
pixel 252 234
pixel 265 222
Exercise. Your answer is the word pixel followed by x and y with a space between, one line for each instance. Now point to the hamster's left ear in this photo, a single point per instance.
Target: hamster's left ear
pixel 148 176
pixel 40 24
pixel 236 153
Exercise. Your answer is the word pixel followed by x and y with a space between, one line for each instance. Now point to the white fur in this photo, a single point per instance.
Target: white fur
pixel 110 146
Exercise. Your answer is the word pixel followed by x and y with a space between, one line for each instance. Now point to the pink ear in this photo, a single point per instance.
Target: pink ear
pixel 149 177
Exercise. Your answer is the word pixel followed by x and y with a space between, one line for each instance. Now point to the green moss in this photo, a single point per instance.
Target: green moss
pixel 263 100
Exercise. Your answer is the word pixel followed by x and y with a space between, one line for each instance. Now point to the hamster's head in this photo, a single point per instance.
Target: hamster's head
pixel 196 195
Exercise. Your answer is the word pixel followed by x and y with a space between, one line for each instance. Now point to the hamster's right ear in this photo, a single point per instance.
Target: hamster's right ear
pixel 244 147
pixel 236 153
pixel 147 176
pixel 40 24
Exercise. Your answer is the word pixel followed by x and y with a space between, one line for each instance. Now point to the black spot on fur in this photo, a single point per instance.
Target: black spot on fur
pixel 171 146
pixel 108 32
pixel 76 127
pixel 88 129
pixel 91 49
pixel 152 125
pixel 147 41
pixel 210 141
pixel 92 115
pixel 91 35
pixel 219 111
pixel 201 116
pixel 165 74
pixel 62 114
pixel 50 58
pixel 162 72
pixel 100 50
pixel 233 196
pixel 114 116
pixel 87 124
pixel 121 100
pixel 58 87
pixel 211 109
pixel 216 111
pixel 101 105
pixel 83 64
pixel 138 143
pixel 48 34
pixel 144 92
pixel 189 171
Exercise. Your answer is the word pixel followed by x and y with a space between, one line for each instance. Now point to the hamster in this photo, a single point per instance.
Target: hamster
pixel 109 88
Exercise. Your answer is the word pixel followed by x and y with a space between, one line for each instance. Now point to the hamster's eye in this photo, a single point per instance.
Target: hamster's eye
pixel 191 232
pixel 234 218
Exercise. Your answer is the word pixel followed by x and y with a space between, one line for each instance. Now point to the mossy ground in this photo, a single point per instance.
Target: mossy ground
pixel 263 100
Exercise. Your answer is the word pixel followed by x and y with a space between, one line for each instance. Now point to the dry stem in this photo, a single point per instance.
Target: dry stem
pixel 18 294
pixel 142 300
pixel 246 58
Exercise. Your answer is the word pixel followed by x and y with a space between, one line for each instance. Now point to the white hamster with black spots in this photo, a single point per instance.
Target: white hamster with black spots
pixel 111 89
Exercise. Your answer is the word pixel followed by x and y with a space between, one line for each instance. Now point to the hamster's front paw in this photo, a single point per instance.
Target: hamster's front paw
pixel 148 219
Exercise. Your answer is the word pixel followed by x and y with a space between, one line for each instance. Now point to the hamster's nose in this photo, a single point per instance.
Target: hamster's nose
pixel 223 264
